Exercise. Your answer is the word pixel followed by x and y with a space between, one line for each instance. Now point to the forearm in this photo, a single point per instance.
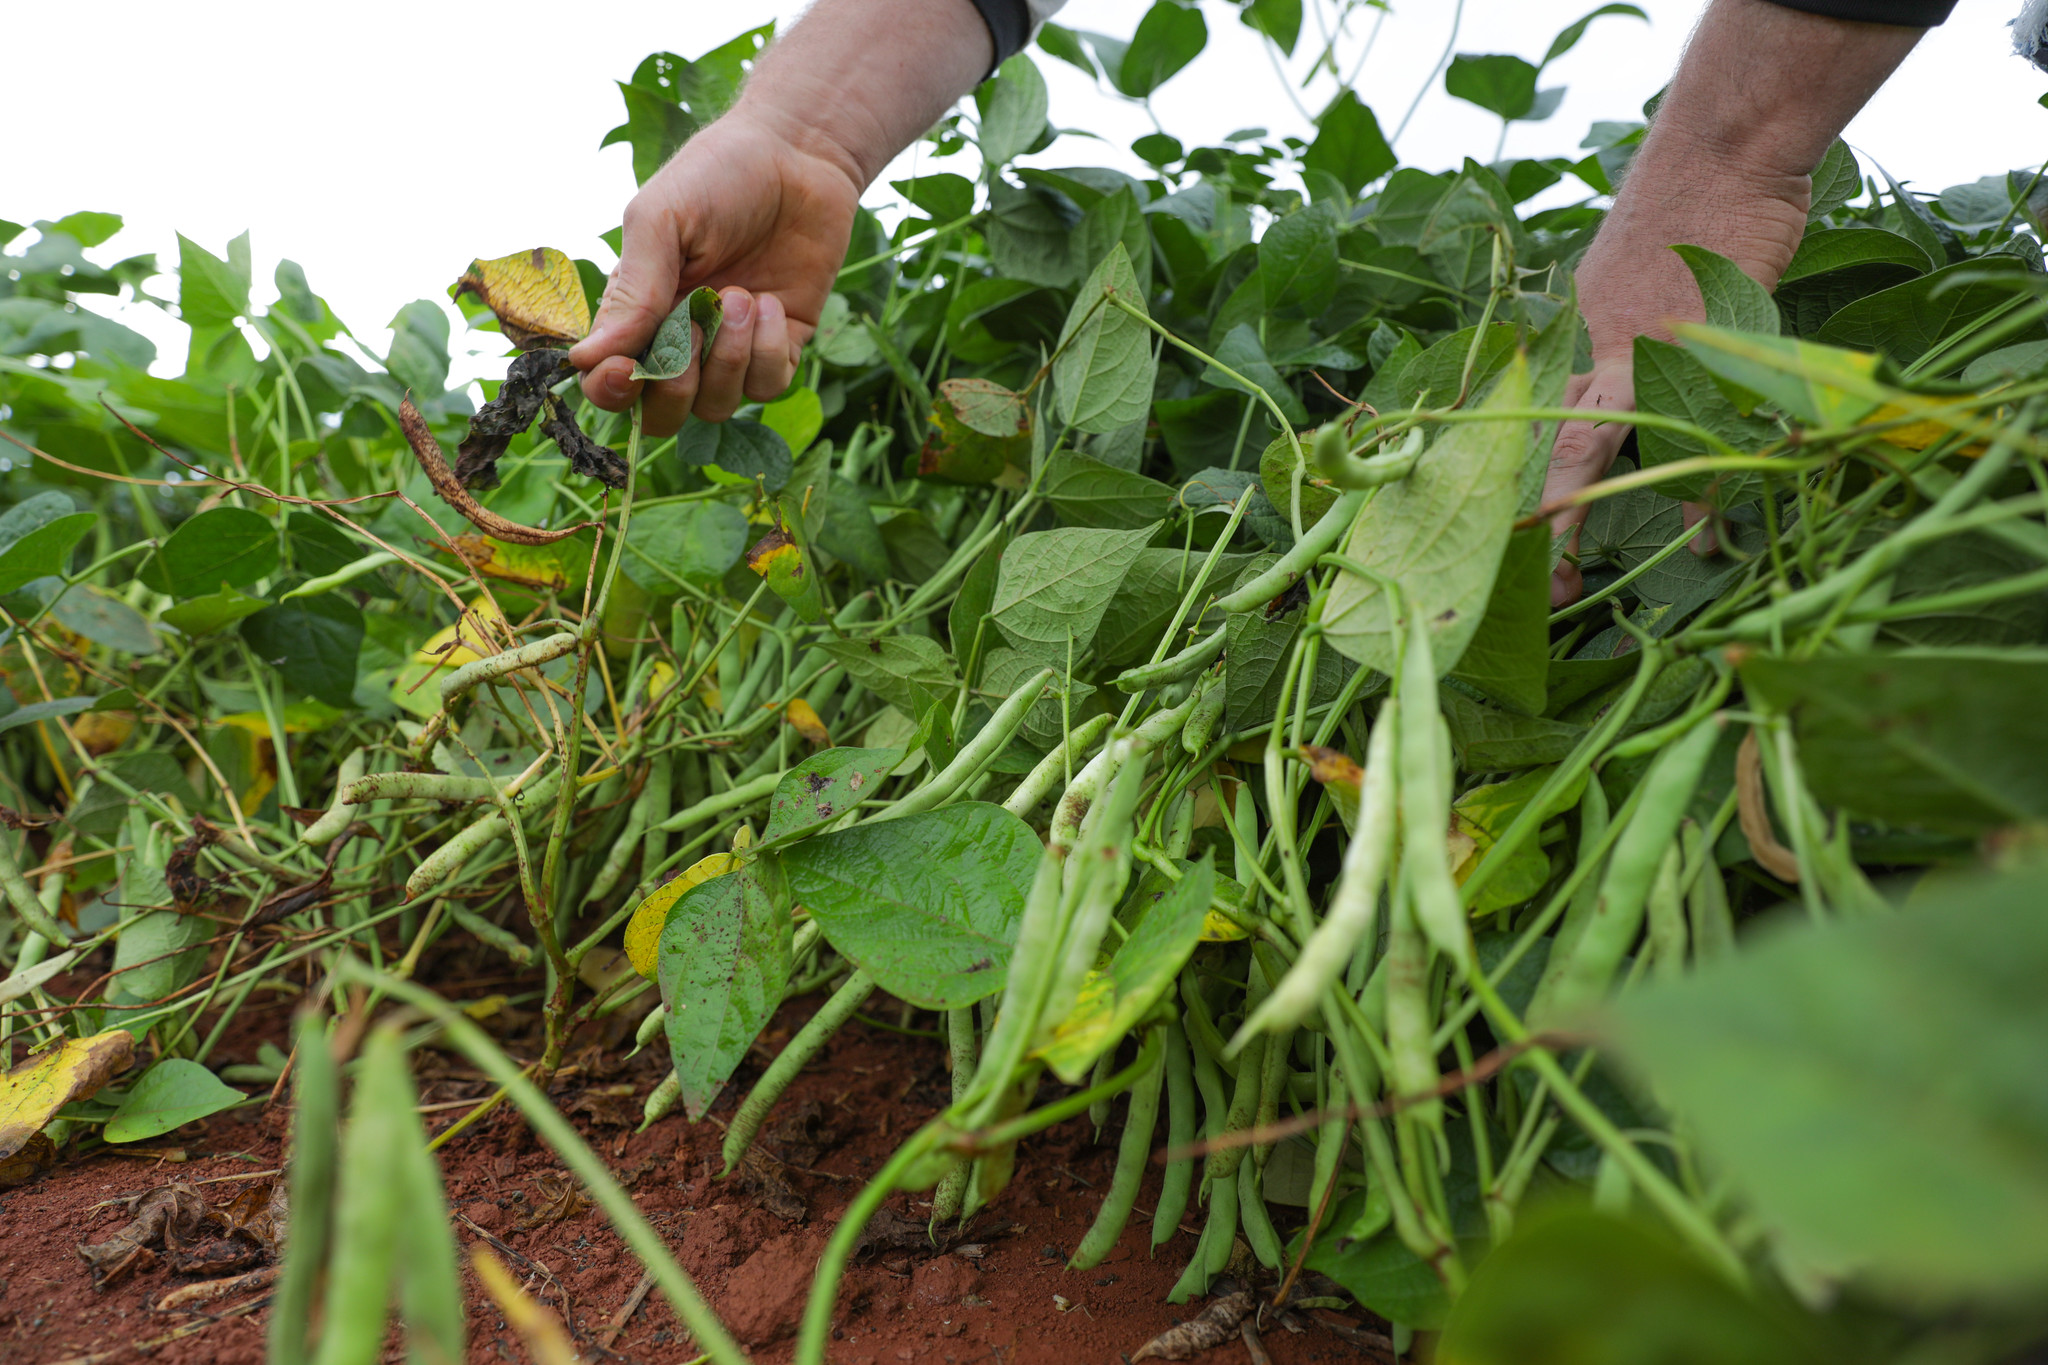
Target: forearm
pixel 857 81
pixel 1760 94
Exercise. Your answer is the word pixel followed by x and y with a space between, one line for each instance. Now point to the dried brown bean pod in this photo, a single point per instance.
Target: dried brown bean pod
pixel 434 461
pixel 1752 809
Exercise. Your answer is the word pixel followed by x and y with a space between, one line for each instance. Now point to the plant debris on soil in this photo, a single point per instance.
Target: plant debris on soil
pixel 174 1244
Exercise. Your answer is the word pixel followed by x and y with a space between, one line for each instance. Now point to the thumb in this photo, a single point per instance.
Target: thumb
pixel 641 291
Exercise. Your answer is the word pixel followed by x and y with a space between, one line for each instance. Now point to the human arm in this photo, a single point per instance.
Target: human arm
pixel 1760 94
pixel 760 204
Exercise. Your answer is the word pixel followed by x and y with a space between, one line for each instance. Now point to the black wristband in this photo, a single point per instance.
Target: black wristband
pixel 1904 13
pixel 1009 25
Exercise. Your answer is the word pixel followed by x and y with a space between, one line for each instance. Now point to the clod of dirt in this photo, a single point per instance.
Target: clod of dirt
pixel 889 1230
pixel 766 1178
pixel 37 1155
pixel 175 1211
pixel 765 1296
pixel 802 1136
pixel 943 1280
pixel 1217 1324
pixel 609 1106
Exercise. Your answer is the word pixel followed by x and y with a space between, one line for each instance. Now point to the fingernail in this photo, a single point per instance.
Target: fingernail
pixel 771 309
pixel 739 306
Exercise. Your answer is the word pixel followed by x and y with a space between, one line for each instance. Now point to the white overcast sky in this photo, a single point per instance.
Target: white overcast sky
pixel 380 145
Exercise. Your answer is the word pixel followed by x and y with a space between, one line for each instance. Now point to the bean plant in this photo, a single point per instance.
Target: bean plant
pixel 1129 643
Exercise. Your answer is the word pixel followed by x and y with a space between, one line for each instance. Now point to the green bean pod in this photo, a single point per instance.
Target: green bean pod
pixel 442 863
pixel 1666 915
pixel 414 787
pixel 1210 696
pixel 1314 543
pixel 1256 1221
pixel 652 1027
pixel 429 1280
pixel 309 1179
pixel 660 1100
pixel 1212 1253
pixel 1706 903
pixel 336 818
pixel 1052 769
pixel 1273 1087
pixel 1335 461
pixel 369 1207
pixel 1609 928
pixel 510 661
pixel 620 855
pixel 974 755
pixel 347 573
pixel 1133 1153
pixel 1032 962
pixel 1330 1140
pixel 1244 1107
pixel 1104 865
pixel 1426 802
pixel 746 793
pixel 1176 1181
pixel 795 1055
pixel 1354 906
pixel 1192 660
pixel 1411 1029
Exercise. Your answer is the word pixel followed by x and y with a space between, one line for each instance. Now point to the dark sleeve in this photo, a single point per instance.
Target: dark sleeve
pixel 1905 13
pixel 1009 24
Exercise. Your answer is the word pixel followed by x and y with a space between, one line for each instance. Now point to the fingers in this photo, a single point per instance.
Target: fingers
pixel 773 362
pixel 639 295
pixel 725 361
pixel 1581 457
pixel 1708 541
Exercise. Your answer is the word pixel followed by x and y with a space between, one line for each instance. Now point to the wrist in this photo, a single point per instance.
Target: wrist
pixel 844 141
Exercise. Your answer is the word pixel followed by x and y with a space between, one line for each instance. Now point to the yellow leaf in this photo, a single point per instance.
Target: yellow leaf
pixel 32 1093
pixel 643 931
pixel 548 568
pixel 478 624
pixel 102 732
pixel 1918 435
pixel 1084 1031
pixel 1217 928
pixel 536 294
pixel 805 720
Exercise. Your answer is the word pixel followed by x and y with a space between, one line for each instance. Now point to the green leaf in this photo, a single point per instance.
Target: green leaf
pixel 45 710
pixel 1149 595
pixel 978 429
pixel 722 966
pixel 1349 145
pixel 696 542
pixel 33 513
pixel 1509 656
pixel 1169 37
pixel 929 903
pixel 1483 814
pixel 212 292
pixel 1241 350
pixel 1013 106
pixel 1103 377
pixel 1908 320
pixel 169 1095
pixel 673 347
pixel 1844 248
pixel 944 196
pixel 966 619
pixel 1568 36
pixel 225 547
pixel 1572 1285
pixel 1298 260
pixel 1630 528
pixel 197 616
pixel 1489 740
pixel 43 551
pixel 824 787
pixel 1947 739
pixel 105 620
pixel 1873 1086
pixel 1115 998
pixel 797 417
pixel 1836 181
pixel 739 447
pixel 1004 670
pixel 909 672
pixel 1439 534
pixel 1498 83
pixel 1277 467
pixel 1821 385
pixel 1279 20
pixel 313 643
pixel 1733 299
pixel 1087 492
pixel 1055 586
pixel 1671 382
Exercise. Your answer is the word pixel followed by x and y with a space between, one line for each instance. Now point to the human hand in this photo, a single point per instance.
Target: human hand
pixel 758 213
pixel 1761 93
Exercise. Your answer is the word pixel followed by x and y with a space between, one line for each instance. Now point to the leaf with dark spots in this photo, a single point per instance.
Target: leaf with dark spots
pixel 518 402
pixel 586 456
pixel 175 1213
